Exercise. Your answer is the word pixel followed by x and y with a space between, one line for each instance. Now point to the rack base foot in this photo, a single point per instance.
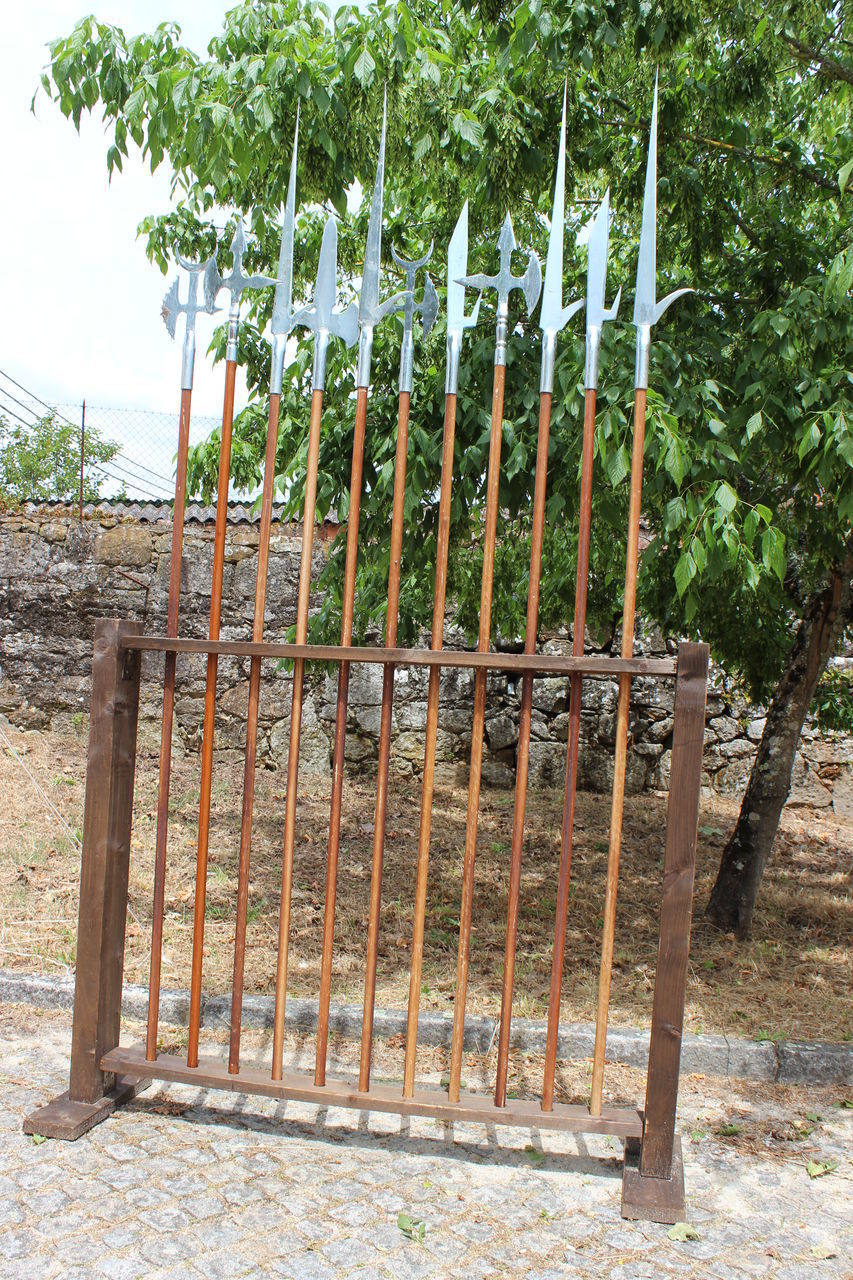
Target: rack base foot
pixel 652 1199
pixel 67 1119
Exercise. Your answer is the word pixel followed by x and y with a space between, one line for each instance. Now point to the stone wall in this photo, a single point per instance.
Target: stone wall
pixel 58 574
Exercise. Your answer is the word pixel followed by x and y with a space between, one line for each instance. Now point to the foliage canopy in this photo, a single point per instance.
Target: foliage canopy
pixel 749 456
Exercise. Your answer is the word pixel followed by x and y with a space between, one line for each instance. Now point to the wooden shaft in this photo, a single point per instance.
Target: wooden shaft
pixel 334 846
pixel 617 803
pixel 379 821
pixel 575 696
pixel 166 728
pixel 428 781
pixel 252 737
pixel 210 712
pixel 477 727
pixel 302 603
pixel 523 757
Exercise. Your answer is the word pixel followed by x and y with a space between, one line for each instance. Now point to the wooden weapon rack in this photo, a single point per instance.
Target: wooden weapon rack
pixel 105 1073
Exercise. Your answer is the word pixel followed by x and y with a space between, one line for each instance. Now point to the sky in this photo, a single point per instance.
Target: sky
pixel 80 316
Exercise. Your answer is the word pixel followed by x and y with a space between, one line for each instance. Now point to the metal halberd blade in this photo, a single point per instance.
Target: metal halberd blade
pixel 427 308
pixel 320 315
pixel 596 283
pixel 237 280
pixel 282 311
pixel 554 316
pixel 172 307
pixel 370 310
pixel 457 321
pixel 504 282
pixel 646 309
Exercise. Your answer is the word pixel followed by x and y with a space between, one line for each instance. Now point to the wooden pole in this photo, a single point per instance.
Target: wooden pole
pixel 621 755
pixel 391 618
pixel 82 455
pixel 428 783
pixel 303 600
pixel 210 712
pixel 334 844
pixel 523 757
pixel 575 696
pixel 166 730
pixel 252 737
pixel 477 727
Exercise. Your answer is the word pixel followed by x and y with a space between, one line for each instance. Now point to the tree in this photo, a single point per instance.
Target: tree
pixel 41 462
pixel 749 488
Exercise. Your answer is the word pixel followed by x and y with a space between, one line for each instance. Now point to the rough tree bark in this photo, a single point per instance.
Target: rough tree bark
pixel 733 897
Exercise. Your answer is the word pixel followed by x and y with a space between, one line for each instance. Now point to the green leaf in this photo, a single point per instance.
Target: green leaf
pixel 683 1231
pixel 844 175
pixel 725 497
pixel 753 424
pixel 820 1168
pixel 38 1139
pixel 365 66
pixel 685 572
pixel 617 465
pixel 467 126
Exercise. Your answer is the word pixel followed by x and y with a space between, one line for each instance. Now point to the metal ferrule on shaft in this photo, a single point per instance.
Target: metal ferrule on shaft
pixel 454 350
pixel 279 346
pixel 641 369
pixel 407 362
pixel 188 362
pixel 365 355
pixel 321 350
pixel 502 333
pixel 593 350
pixel 233 330
pixel 549 356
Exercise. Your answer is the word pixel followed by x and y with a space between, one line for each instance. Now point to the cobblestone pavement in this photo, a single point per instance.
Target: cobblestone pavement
pixel 185 1183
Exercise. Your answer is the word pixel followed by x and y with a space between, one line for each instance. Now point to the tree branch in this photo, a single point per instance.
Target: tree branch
pixel 826 65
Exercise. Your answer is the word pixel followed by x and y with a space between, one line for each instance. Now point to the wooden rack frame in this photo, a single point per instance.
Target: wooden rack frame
pixel 104 1074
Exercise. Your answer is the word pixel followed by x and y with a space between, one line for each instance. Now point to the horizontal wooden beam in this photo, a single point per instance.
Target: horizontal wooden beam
pixel 620 1122
pixel 543 663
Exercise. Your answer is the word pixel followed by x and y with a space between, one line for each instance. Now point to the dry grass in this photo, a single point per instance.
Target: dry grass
pixel 792 980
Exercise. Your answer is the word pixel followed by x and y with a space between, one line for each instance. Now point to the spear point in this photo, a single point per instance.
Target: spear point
pixel 554 316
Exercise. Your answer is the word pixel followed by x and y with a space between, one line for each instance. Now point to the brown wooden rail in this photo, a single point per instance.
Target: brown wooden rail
pixel 541 663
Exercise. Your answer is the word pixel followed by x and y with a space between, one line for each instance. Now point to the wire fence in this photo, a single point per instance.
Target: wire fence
pixel 51 452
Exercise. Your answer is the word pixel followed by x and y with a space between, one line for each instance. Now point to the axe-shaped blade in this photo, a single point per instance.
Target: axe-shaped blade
pixel 457 321
pixel 646 310
pixel 172 307
pixel 320 315
pixel 554 316
pixel 596 284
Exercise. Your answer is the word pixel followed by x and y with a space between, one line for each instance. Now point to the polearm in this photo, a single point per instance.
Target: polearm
pixel 457 323
pixel 553 317
pixel 171 309
pixel 428 310
pixel 282 323
pixel 325 321
pixel 235 282
pixel 646 313
pixel 370 312
pixel 504 282
pixel 596 315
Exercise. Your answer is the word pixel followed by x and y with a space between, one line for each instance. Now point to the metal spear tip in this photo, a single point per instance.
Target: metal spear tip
pixel 369 295
pixel 283 302
pixel 646 310
pixel 554 316
pixel 506 240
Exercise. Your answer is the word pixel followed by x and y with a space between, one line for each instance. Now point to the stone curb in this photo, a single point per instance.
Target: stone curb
pixel 785 1062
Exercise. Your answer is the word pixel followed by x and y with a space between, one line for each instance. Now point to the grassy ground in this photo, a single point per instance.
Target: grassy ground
pixel 792 980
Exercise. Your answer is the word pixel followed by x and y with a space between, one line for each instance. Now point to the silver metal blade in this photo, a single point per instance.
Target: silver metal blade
pixel 368 304
pixel 644 300
pixel 596 267
pixel 457 265
pixel 429 306
pixel 283 304
pixel 506 242
pixel 552 294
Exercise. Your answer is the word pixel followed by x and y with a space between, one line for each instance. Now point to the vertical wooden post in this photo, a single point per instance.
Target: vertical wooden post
pixel 653 1184
pixel 92 1093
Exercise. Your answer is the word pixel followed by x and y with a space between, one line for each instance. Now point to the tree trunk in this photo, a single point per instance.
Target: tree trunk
pixel 733 897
